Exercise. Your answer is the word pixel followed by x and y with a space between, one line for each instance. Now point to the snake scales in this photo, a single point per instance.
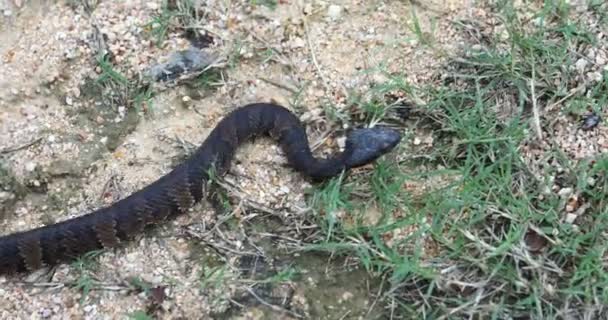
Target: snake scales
pixel 182 187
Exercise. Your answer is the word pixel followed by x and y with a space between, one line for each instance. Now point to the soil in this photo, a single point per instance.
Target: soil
pixel 66 150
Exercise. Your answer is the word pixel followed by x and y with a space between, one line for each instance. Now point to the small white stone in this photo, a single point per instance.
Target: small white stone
pixel 51 138
pixel 307 8
pixel 46 313
pixel 152 5
pixel 334 12
pixel 298 43
pixel 5 195
pixel 30 166
pixel 565 192
pixel 595 76
pixel 581 64
pixel 347 296
pixel 341 142
pixel 570 217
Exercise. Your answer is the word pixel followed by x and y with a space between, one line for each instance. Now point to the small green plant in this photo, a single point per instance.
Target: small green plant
pixel 284 275
pixel 208 79
pixel 140 315
pixel 213 277
pixel 235 53
pixel 117 89
pixel 272 4
pixel 140 285
pixel 159 26
pixel 179 14
pixel 423 37
pixel 84 266
pixel 108 73
pixel 329 199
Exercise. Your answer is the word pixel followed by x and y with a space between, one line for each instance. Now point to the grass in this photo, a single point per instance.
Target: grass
pixel 271 4
pixel 86 266
pixel 465 248
pixel 213 277
pixel 181 14
pixel 424 38
pixel 140 315
pixel 207 80
pixel 159 25
pixel 118 90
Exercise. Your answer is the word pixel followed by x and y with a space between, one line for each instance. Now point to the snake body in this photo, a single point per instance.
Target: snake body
pixel 184 185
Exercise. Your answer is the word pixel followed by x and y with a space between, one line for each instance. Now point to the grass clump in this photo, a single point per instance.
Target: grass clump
pixel 119 90
pixel 490 239
pixel 178 15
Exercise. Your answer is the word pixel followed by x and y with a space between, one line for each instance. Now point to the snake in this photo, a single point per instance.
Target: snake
pixel 185 185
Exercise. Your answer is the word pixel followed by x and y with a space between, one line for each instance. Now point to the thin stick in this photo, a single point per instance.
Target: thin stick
pixel 272 306
pixel 314 57
pixel 536 115
pixel 378 294
pixel 279 85
pixel 23 146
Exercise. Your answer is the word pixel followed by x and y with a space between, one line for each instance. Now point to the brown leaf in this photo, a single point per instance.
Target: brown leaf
pixel 158 295
pixel 535 241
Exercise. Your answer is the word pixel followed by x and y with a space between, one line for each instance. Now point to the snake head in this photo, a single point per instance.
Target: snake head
pixel 367 144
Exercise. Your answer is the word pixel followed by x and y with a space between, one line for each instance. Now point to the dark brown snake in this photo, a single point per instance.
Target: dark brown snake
pixel 182 187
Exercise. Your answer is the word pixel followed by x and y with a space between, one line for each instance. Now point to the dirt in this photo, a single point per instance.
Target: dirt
pixel 74 151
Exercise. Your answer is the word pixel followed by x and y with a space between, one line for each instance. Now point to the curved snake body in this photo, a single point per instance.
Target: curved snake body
pixel 182 187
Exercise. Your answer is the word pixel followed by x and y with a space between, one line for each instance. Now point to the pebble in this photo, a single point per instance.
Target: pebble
pixel 595 76
pixel 581 64
pixel 30 166
pixel 341 142
pixel 46 313
pixel 284 190
pixel 5 195
pixel 570 217
pixel 334 12
pixel 565 192
pixel 297 43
